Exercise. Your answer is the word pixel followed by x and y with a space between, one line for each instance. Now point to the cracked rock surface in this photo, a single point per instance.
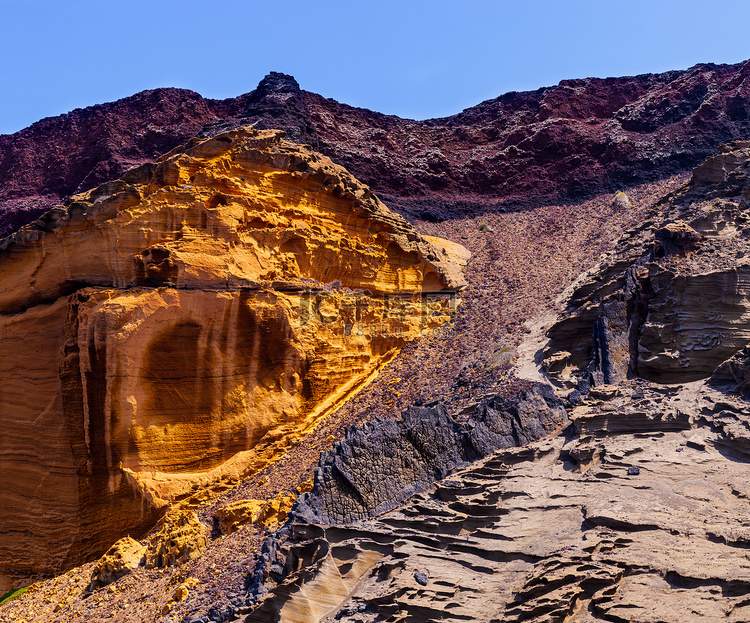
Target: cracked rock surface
pixel 378 466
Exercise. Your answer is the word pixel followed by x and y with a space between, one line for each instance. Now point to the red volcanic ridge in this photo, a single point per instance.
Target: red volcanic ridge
pixel 556 144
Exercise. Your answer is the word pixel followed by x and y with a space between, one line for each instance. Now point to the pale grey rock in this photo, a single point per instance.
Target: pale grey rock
pixel 734 373
pixel 554 531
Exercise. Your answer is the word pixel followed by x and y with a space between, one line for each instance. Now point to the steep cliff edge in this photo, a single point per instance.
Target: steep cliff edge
pixel 556 144
pixel 187 323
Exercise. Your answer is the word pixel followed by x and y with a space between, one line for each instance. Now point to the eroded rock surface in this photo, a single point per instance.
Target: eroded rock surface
pixel 631 515
pixel 186 323
pixel 670 303
pixel 119 560
pixel 634 512
pixel 179 537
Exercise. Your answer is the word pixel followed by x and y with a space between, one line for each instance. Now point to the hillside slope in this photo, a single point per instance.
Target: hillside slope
pixel 558 153
pixel 558 144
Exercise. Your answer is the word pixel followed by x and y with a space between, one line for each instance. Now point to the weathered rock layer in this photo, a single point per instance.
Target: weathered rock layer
pixel 671 302
pixel 579 138
pixel 187 323
pixel 636 511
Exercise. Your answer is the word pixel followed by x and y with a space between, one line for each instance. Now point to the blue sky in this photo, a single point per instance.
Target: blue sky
pixel 415 59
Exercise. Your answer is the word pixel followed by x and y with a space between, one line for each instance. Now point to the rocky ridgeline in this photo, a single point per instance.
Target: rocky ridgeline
pixel 577 139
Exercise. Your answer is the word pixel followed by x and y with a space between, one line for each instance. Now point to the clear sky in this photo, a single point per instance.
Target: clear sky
pixel 411 58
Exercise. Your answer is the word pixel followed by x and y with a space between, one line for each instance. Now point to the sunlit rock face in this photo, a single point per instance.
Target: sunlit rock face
pixel 188 323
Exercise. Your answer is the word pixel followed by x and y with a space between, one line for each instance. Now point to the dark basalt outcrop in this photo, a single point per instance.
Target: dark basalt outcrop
pixel 381 464
pixel 579 138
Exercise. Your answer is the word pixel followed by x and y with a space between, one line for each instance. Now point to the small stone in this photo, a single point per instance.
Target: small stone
pixel 634 471
pixel 421 578
pixel 621 201
pixel 181 593
pixel 346 611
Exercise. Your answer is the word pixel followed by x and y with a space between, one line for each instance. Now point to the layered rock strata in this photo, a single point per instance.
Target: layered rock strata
pixel 635 513
pixel 189 322
pixel 670 303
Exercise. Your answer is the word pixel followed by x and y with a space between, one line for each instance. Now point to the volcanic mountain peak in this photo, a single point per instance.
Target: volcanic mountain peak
pixel 556 144
pixel 213 255
pixel 277 94
pixel 275 82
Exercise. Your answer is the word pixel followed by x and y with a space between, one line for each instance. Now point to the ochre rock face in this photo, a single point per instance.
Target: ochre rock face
pixel 186 323
pixel 236 212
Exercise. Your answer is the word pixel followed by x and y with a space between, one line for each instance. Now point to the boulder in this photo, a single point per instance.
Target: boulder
pixel 676 239
pixel 734 374
pixel 180 538
pixel 119 560
pixel 621 201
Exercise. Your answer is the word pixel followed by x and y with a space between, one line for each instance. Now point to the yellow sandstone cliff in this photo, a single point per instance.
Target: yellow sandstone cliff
pixel 188 323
